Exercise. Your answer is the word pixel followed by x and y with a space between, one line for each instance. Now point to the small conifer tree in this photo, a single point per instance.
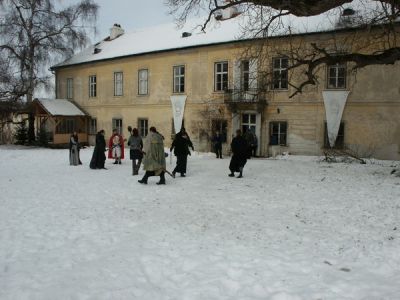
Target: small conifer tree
pixel 21 135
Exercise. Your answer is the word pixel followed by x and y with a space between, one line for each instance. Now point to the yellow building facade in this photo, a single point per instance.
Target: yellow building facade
pixel 225 91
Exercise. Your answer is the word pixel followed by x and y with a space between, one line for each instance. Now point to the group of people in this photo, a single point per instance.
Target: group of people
pixel 151 152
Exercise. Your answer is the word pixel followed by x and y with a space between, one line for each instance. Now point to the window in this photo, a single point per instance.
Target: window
pixel 118 84
pixel 92 86
pixel 221 126
pixel 143 127
pixel 336 76
pixel 143 82
pixel 339 143
pixel 249 122
pixel 66 126
pixel 58 87
pixel 221 76
pixel 278 133
pixel 117 124
pixel 179 79
pixel 70 88
pixel 280 73
pixel 93 126
pixel 245 75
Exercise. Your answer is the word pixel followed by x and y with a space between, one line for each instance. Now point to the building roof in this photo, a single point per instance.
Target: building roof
pixel 60 107
pixel 168 37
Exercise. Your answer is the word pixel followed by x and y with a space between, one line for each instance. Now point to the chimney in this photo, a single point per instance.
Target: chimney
pixel 116 31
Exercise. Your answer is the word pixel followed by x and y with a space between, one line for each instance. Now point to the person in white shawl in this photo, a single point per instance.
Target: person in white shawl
pixel 154 157
pixel 74 150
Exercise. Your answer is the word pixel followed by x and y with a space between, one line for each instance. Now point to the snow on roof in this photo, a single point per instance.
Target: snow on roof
pixel 168 36
pixel 60 107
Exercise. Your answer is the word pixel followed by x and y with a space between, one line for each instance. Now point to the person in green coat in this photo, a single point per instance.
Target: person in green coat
pixel 154 157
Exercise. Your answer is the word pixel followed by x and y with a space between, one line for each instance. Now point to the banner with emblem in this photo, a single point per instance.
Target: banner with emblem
pixel 178 108
pixel 334 102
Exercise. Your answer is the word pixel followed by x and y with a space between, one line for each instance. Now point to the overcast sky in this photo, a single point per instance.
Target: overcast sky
pixel 130 14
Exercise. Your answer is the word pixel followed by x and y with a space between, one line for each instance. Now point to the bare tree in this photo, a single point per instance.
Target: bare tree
pixel 372 35
pixel 33 33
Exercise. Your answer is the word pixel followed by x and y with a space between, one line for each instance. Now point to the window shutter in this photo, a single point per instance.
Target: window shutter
pixel 253 67
pixel 236 75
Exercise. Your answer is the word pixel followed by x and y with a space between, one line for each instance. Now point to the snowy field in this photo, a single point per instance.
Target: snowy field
pixel 292 228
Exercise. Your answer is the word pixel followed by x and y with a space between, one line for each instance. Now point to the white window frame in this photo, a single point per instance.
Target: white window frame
pixel 143 126
pixel 280 70
pixel 117 124
pixel 143 82
pixel 179 79
pixel 221 77
pixel 92 86
pixel 118 83
pixel 280 133
pixel 336 78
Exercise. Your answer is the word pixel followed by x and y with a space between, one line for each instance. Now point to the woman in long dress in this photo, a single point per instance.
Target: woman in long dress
pixel 74 150
pixel 99 157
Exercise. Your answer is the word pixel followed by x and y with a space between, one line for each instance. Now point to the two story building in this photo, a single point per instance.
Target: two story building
pixel 129 79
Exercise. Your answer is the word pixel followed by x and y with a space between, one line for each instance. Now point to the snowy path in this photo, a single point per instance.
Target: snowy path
pixel 292 228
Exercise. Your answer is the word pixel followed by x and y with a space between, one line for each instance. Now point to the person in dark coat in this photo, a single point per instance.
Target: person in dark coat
pixel 240 150
pixel 136 150
pixel 249 136
pixel 99 157
pixel 217 142
pixel 181 145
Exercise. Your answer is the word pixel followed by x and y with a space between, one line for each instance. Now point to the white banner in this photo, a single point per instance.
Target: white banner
pixel 178 108
pixel 334 105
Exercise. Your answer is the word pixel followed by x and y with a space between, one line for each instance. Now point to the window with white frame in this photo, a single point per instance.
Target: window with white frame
pixel 179 79
pixel 70 88
pixel 92 86
pixel 93 126
pixel 278 133
pixel 336 76
pixel 118 84
pixel 143 81
pixel 280 73
pixel 221 76
pixel 143 127
pixel 245 75
pixel 249 122
pixel 117 124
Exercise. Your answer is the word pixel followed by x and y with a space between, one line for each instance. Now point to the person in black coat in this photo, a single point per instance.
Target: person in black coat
pixel 217 142
pixel 239 149
pixel 99 157
pixel 181 145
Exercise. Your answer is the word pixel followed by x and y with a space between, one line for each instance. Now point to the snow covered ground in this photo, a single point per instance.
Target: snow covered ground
pixel 292 228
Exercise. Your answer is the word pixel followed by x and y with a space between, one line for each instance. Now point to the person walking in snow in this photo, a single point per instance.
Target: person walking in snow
pixel 99 157
pixel 239 149
pixel 116 147
pixel 217 143
pixel 181 145
pixel 154 157
pixel 135 143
